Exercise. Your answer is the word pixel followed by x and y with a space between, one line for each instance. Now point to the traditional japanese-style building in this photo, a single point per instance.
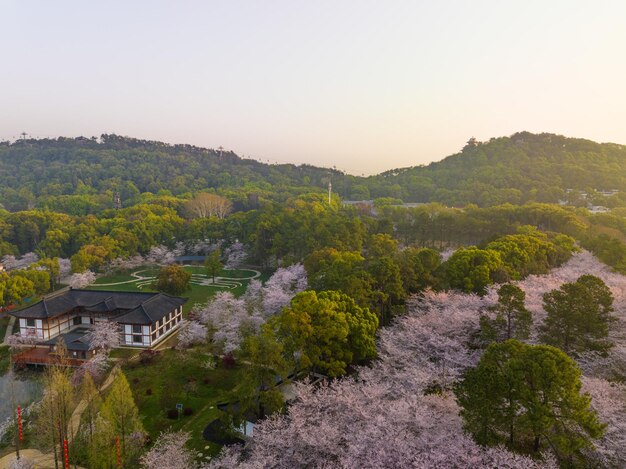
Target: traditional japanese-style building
pixel 144 318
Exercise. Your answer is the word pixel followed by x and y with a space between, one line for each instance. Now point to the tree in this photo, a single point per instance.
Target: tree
pixel 120 418
pixel 529 398
pixel 579 314
pixel 472 269
pixel 264 356
pixel 191 333
pixel 512 319
pixel 90 395
pixel 213 264
pixel 81 280
pixel 54 414
pixel 173 279
pixel 344 271
pixel 169 452
pixel 104 336
pixel 326 331
pixel 205 205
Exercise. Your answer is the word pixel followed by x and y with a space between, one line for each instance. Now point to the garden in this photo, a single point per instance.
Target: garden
pixel 202 287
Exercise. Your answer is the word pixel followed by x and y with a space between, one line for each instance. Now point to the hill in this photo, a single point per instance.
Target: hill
pixel 81 175
pixel 521 168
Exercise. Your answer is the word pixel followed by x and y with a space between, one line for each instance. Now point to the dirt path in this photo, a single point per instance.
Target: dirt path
pixel 9 330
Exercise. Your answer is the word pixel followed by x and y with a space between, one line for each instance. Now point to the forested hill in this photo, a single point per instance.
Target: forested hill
pixel 52 173
pixel 81 175
pixel 520 168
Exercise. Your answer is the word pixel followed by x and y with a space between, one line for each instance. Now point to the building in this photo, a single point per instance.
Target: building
pixel 144 319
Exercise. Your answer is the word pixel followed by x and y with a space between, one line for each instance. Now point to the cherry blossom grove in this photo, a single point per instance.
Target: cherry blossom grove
pixel 231 317
pixel 399 412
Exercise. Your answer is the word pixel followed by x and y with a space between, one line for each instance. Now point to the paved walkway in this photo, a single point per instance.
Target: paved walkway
pixel 40 460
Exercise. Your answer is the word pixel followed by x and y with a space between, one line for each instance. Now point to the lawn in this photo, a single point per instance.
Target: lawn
pixel 174 377
pixel 235 281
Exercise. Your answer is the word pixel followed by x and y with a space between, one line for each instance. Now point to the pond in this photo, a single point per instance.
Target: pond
pixel 21 388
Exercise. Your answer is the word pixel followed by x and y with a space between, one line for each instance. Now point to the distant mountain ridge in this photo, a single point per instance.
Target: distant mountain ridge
pixel 517 169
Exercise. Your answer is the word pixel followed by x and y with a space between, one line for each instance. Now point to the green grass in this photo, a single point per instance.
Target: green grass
pixel 181 377
pixel 198 294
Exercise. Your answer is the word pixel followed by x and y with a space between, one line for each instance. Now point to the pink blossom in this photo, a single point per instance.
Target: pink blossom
pixel 83 279
pixel 191 333
pixel 169 452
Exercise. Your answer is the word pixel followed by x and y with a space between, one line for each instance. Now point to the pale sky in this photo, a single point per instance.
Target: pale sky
pixel 362 85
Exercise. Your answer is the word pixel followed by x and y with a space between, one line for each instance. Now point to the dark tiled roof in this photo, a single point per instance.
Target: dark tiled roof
pixel 152 310
pixel 129 307
pixel 73 341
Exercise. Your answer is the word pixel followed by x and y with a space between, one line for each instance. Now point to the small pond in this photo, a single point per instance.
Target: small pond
pixel 18 388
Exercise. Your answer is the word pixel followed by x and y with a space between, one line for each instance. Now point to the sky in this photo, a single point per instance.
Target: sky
pixel 365 86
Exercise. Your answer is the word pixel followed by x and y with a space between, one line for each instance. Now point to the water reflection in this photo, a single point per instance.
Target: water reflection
pixel 24 387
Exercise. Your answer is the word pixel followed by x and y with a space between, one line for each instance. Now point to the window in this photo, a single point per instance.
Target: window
pixel 137 339
pixel 30 323
pixel 136 329
pixel 154 336
pixel 77 320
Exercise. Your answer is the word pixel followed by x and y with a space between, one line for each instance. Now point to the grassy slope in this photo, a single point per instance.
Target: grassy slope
pixel 181 377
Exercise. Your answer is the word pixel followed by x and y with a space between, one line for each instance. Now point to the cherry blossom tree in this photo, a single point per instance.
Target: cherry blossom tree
pixel 96 366
pixel 25 337
pixel 226 316
pixel 82 279
pixel 65 267
pixel 282 286
pixel 191 333
pixel 160 255
pixel 235 255
pixel 400 413
pixel 104 336
pixel 169 452
pixel 12 263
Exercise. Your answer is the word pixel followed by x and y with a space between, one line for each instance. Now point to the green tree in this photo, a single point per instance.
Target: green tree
pixel 213 264
pixel 579 314
pixel 344 271
pixel 120 418
pixel 529 398
pixel 512 320
pixel 326 331
pixel 472 269
pixel 264 355
pixel 173 279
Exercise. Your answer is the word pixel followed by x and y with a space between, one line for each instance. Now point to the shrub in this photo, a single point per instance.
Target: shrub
pixel 187 411
pixel 228 361
pixel 172 414
pixel 149 392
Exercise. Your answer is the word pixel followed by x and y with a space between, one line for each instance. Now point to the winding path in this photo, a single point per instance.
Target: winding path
pixel 196 279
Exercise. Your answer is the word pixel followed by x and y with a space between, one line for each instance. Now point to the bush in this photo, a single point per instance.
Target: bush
pixel 149 392
pixel 172 414
pixel 147 356
pixel 187 411
pixel 228 361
